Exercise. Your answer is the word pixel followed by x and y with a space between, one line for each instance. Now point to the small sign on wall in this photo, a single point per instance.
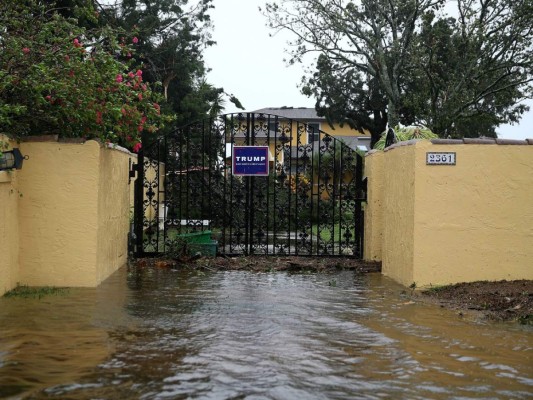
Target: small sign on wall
pixel 440 158
pixel 250 160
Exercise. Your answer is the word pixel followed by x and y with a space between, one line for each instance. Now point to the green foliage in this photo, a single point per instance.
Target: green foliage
pixel 347 98
pixel 26 292
pixel 172 35
pixel 407 62
pixel 57 77
pixel 406 133
pixel 438 288
pixel 4 145
pixel 526 319
pixel 468 75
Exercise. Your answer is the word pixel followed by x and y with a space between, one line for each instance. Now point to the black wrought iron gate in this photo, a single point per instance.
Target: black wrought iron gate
pixel 309 203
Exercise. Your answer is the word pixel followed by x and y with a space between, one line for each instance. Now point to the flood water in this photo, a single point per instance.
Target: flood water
pixel 163 334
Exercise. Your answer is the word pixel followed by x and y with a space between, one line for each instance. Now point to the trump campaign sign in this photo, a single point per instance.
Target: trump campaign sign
pixel 250 160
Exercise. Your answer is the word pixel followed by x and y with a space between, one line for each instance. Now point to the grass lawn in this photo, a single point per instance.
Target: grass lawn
pixel 325 235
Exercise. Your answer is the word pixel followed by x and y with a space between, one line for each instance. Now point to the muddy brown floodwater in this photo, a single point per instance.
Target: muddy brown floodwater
pixel 149 333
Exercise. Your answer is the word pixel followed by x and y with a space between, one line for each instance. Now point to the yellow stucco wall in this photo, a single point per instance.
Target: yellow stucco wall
pixel 67 217
pixel 113 212
pixel 445 224
pixel 374 208
pixel 398 218
pixel 474 220
pixel 9 232
pixel 58 214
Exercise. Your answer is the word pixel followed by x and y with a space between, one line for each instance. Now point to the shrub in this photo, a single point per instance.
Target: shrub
pixel 57 77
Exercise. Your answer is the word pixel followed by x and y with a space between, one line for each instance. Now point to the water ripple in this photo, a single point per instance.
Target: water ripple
pixel 158 334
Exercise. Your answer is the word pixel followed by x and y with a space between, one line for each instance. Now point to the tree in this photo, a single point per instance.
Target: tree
pixel 172 35
pixel 371 39
pixel 58 77
pixel 428 68
pixel 470 73
pixel 346 97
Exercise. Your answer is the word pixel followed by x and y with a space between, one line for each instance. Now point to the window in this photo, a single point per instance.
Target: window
pixel 273 127
pixel 313 132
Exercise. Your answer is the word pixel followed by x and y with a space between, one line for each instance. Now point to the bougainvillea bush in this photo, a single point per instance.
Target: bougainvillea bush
pixel 57 77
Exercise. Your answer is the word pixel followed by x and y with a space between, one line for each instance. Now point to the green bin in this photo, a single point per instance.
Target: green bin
pixel 196 237
pixel 204 249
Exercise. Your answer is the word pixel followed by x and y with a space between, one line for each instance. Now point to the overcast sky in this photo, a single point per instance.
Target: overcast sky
pixel 248 63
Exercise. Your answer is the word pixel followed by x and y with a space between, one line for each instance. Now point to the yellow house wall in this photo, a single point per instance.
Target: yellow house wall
pixel 338 130
pixel 374 164
pixel 334 130
pixel 9 231
pixel 474 220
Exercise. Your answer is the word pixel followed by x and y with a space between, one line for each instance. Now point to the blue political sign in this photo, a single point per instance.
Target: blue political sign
pixel 250 160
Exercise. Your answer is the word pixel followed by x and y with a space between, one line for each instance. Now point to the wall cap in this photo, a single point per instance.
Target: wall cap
pixel 373 151
pixel 405 143
pixel 41 138
pixel 72 140
pixel 447 141
pixel 116 147
pixel 522 142
pixel 511 141
pixel 479 141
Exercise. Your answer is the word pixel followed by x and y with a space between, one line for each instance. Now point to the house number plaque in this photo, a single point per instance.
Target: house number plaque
pixel 433 158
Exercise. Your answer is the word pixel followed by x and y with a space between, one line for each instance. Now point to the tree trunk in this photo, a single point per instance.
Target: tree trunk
pixel 393 118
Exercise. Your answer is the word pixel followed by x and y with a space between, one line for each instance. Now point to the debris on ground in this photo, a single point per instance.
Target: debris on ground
pixel 500 300
pixel 265 263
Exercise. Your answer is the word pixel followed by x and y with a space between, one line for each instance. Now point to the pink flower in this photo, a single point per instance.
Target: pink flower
pixel 99 117
pixel 48 98
pixel 140 96
pixel 137 147
pixel 25 50
pixel 135 40
pixel 140 128
pixel 118 78
pixel 131 75
pixel 139 73
pixel 129 55
pixel 76 43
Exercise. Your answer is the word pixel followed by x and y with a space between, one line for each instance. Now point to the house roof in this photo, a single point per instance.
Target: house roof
pixel 298 113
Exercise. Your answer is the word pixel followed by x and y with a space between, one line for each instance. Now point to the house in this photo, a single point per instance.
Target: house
pixel 351 137
pixel 297 126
